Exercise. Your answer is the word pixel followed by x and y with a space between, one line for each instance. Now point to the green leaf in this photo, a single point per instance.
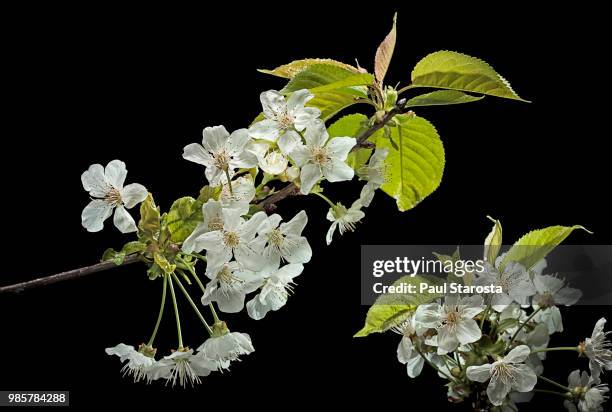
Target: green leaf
pixel 385 52
pixel 493 242
pixel 183 217
pixel 487 346
pixel 416 164
pixel 441 98
pixel 162 262
pixel 535 245
pixel 506 324
pixel 288 71
pixel 319 75
pixel 362 79
pixel 392 309
pixel 149 224
pixel 451 258
pixel 330 103
pixel 117 257
pixel 457 71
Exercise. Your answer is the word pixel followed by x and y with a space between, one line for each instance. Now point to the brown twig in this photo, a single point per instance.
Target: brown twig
pixel 70 274
pixel 268 204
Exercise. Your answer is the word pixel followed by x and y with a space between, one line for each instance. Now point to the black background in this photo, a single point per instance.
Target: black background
pixel 85 86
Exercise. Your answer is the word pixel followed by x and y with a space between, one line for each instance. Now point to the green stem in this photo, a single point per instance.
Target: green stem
pixel 193 305
pixel 322 196
pixel 485 313
pixel 161 312
pixel 558 385
pixel 551 392
pixel 571 348
pixel 229 182
pixel 214 312
pixel 430 363
pixel 176 311
pixel 524 323
pixel 406 88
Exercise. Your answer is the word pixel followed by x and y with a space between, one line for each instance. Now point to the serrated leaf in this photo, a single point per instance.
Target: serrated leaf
pixel 457 71
pixel 289 70
pixel 325 78
pixel 183 217
pixel 330 103
pixel 537 244
pixel 392 309
pixel 493 241
pixel 415 164
pixel 149 224
pixel 442 98
pixel 384 53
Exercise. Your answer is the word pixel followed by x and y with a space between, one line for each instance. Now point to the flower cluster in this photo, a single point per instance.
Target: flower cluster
pixel 490 348
pixel 245 250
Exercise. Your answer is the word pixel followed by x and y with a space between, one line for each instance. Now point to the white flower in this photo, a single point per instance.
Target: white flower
pixel 284 118
pixel 587 391
pixel 406 352
pixel 105 185
pixel 240 195
pixel 374 174
pixel 226 348
pixel 598 349
pixel 182 366
pixel 344 219
pixel 138 364
pixel 221 152
pixel 454 321
pixel 505 374
pixel 277 284
pixel 234 238
pixel 284 242
pixel 514 280
pixel 270 161
pixel 319 158
pixel 228 287
pixel 551 317
pixel 552 291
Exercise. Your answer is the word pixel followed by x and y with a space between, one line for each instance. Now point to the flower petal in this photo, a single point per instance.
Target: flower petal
pixel 196 242
pixel 497 391
pixel 115 173
pixel 214 138
pixel 267 129
pixel 133 194
pixel 94 182
pixel 480 373
pixel 337 171
pixel 339 147
pixel 298 99
pixel 296 249
pixel 518 354
pixel 196 153
pixel 309 177
pixel 296 225
pixel 467 331
pixel 289 141
pixel 316 134
pixel 302 118
pixel 524 378
pixel 94 215
pixel 273 103
pixel 301 155
pixel 238 141
pixel 124 221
